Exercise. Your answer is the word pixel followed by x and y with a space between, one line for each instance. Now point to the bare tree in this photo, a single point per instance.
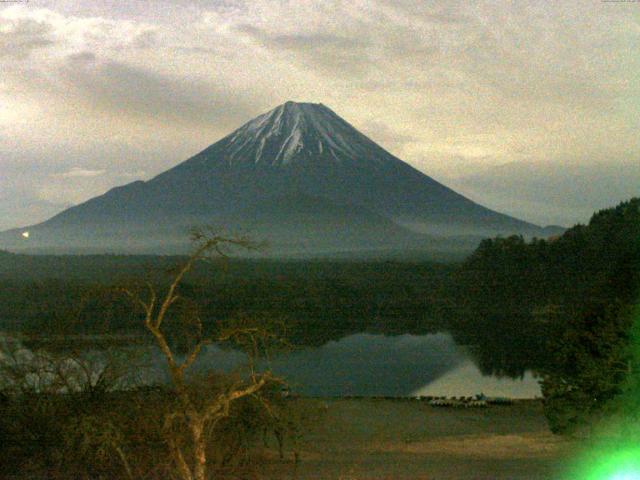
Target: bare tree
pixel 199 416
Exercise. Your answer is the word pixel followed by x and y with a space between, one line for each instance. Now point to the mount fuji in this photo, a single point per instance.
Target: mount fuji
pixel 299 177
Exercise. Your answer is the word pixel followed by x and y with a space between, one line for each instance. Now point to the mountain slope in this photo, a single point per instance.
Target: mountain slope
pixel 297 150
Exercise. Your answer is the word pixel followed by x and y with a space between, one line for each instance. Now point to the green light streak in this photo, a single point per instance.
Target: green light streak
pixel 618 465
pixel 615 451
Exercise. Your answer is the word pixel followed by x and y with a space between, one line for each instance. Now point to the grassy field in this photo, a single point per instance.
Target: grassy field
pixel 358 439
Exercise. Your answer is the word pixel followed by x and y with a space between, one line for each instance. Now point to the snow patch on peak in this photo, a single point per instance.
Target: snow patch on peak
pixel 292 145
pixel 295 132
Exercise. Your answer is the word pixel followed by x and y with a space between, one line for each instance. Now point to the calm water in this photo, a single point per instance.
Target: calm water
pixel 361 364
pixel 366 364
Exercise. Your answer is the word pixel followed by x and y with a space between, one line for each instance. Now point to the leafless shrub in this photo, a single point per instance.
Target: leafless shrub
pixel 201 406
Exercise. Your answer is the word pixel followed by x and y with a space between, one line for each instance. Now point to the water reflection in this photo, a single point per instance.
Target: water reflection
pixel 377 365
pixel 467 380
pixel 360 364
pixel 365 364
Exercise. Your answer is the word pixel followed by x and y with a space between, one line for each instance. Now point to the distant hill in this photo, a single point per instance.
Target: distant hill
pixel 298 176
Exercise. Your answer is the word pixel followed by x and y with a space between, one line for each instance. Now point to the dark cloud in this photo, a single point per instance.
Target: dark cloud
pixel 146 39
pixel 20 37
pixel 82 57
pixel 329 52
pixel 137 92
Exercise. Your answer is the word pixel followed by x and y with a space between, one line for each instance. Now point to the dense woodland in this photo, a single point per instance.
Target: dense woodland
pixel 566 303
pixel 318 300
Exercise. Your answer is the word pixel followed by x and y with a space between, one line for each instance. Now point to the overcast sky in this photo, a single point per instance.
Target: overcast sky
pixel 531 108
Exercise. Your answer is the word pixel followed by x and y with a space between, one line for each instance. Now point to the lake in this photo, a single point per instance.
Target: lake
pixel 361 364
pixel 377 365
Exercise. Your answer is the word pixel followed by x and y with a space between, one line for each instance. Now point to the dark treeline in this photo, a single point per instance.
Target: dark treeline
pixel 318 300
pixel 562 306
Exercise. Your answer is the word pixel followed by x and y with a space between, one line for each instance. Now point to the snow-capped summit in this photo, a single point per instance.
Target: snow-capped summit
pixel 299 176
pixel 299 132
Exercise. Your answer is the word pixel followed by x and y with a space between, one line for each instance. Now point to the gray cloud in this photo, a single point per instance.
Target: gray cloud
pixel 18 38
pixel 24 210
pixel 551 192
pixel 327 51
pixel 133 91
pixel 82 57
pixel 146 39
pixel 392 139
pixel 296 41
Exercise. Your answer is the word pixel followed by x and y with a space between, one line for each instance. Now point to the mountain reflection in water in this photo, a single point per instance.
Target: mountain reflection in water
pixel 375 365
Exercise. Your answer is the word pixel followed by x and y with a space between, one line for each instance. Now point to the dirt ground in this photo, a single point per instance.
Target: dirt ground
pixel 357 439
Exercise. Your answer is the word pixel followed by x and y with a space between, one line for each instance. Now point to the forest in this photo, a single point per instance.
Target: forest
pixel 568 304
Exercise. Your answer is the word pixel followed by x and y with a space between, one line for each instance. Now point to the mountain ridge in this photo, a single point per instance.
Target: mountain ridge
pixel 295 149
